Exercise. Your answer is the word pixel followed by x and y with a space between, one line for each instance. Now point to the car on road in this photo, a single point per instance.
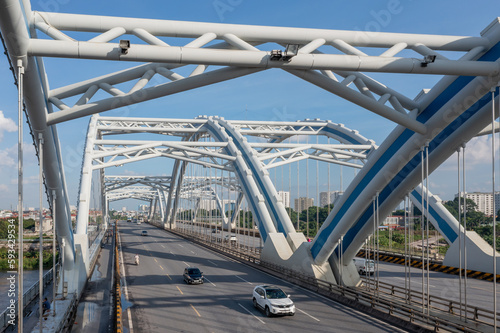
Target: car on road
pixel 230 239
pixel 193 275
pixel 144 233
pixel 364 266
pixel 273 301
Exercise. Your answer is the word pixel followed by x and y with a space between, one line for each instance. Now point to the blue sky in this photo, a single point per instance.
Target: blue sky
pixel 289 99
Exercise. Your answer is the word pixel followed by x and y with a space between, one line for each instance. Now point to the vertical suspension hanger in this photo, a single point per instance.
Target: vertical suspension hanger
pixel 465 231
pixel 427 215
pixel 493 117
pixel 422 226
pixel 307 193
pixel 459 232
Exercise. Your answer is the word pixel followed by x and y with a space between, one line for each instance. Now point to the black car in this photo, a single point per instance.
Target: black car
pixel 192 275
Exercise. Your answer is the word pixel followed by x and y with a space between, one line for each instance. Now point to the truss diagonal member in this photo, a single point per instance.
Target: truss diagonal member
pixel 393 50
pixel 161 90
pixel 359 99
pixel 346 48
pixel 424 50
pixel 50 31
pixel 148 38
pixel 381 89
pixel 239 43
pixel 108 35
pixel 263 34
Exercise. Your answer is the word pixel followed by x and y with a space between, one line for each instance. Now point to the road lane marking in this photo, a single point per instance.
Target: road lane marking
pixel 243 279
pixel 155 259
pixel 170 278
pixel 418 282
pixel 210 282
pixel 193 252
pixel 129 315
pixel 179 289
pixel 210 261
pixel 199 315
pixel 307 314
pixel 186 263
pixel 172 253
pixel 244 308
pixel 161 268
pixel 180 245
pixel 162 246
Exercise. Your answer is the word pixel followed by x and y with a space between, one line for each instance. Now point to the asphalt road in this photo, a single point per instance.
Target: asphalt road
pixel 447 286
pixel 160 301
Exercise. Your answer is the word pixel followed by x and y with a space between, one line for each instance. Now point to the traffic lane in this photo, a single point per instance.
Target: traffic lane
pixel 447 286
pixel 241 279
pixel 185 307
pixel 156 304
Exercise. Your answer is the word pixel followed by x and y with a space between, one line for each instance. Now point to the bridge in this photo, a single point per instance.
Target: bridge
pixel 231 175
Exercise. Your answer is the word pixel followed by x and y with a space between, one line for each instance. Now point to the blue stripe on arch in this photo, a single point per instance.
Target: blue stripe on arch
pixel 260 183
pixel 443 225
pixel 454 88
pixel 262 228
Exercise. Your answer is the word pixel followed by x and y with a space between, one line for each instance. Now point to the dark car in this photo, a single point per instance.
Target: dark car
pixel 192 275
pixel 144 233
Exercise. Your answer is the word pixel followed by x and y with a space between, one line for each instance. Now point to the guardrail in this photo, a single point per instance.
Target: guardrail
pixel 389 300
pixel 437 303
pixel 434 265
pixel 28 296
pixel 118 289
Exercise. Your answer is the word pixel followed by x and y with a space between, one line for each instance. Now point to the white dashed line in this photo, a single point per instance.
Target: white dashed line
pixel 210 282
pixel 180 245
pixel 243 279
pixel 193 252
pixel 210 261
pixel 186 263
pixel 307 314
pixel 252 314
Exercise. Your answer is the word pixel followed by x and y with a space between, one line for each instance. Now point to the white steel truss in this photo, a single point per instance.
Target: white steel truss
pixel 330 59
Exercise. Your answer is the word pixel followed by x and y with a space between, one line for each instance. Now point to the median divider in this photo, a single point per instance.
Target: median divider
pixel 435 266
pixel 118 289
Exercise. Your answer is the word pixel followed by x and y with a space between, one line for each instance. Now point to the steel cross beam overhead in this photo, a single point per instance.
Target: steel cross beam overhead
pixel 116 182
pixel 330 59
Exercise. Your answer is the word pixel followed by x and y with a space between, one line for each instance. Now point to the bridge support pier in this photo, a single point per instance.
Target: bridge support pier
pixel 479 254
pixel 277 250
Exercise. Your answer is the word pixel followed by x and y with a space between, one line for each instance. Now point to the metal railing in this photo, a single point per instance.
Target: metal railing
pixel 28 296
pixel 438 304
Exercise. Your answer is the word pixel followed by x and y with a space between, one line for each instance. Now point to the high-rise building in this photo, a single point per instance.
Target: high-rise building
pixel 303 203
pixel 284 198
pixel 484 201
pixel 326 198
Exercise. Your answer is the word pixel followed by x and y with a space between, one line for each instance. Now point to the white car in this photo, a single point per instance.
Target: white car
pixel 364 266
pixel 273 301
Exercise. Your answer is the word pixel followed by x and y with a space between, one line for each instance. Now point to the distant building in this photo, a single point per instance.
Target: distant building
pixel 326 198
pixel 484 201
pixel 303 203
pixel 124 209
pixel 284 198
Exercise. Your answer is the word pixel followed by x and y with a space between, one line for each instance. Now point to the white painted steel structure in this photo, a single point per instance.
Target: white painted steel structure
pixel 440 119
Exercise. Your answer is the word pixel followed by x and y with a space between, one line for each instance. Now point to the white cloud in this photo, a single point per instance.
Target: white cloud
pixel 3 188
pixel 8 156
pixel 6 124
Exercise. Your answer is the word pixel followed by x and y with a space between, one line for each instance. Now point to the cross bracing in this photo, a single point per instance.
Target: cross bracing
pixel 330 59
